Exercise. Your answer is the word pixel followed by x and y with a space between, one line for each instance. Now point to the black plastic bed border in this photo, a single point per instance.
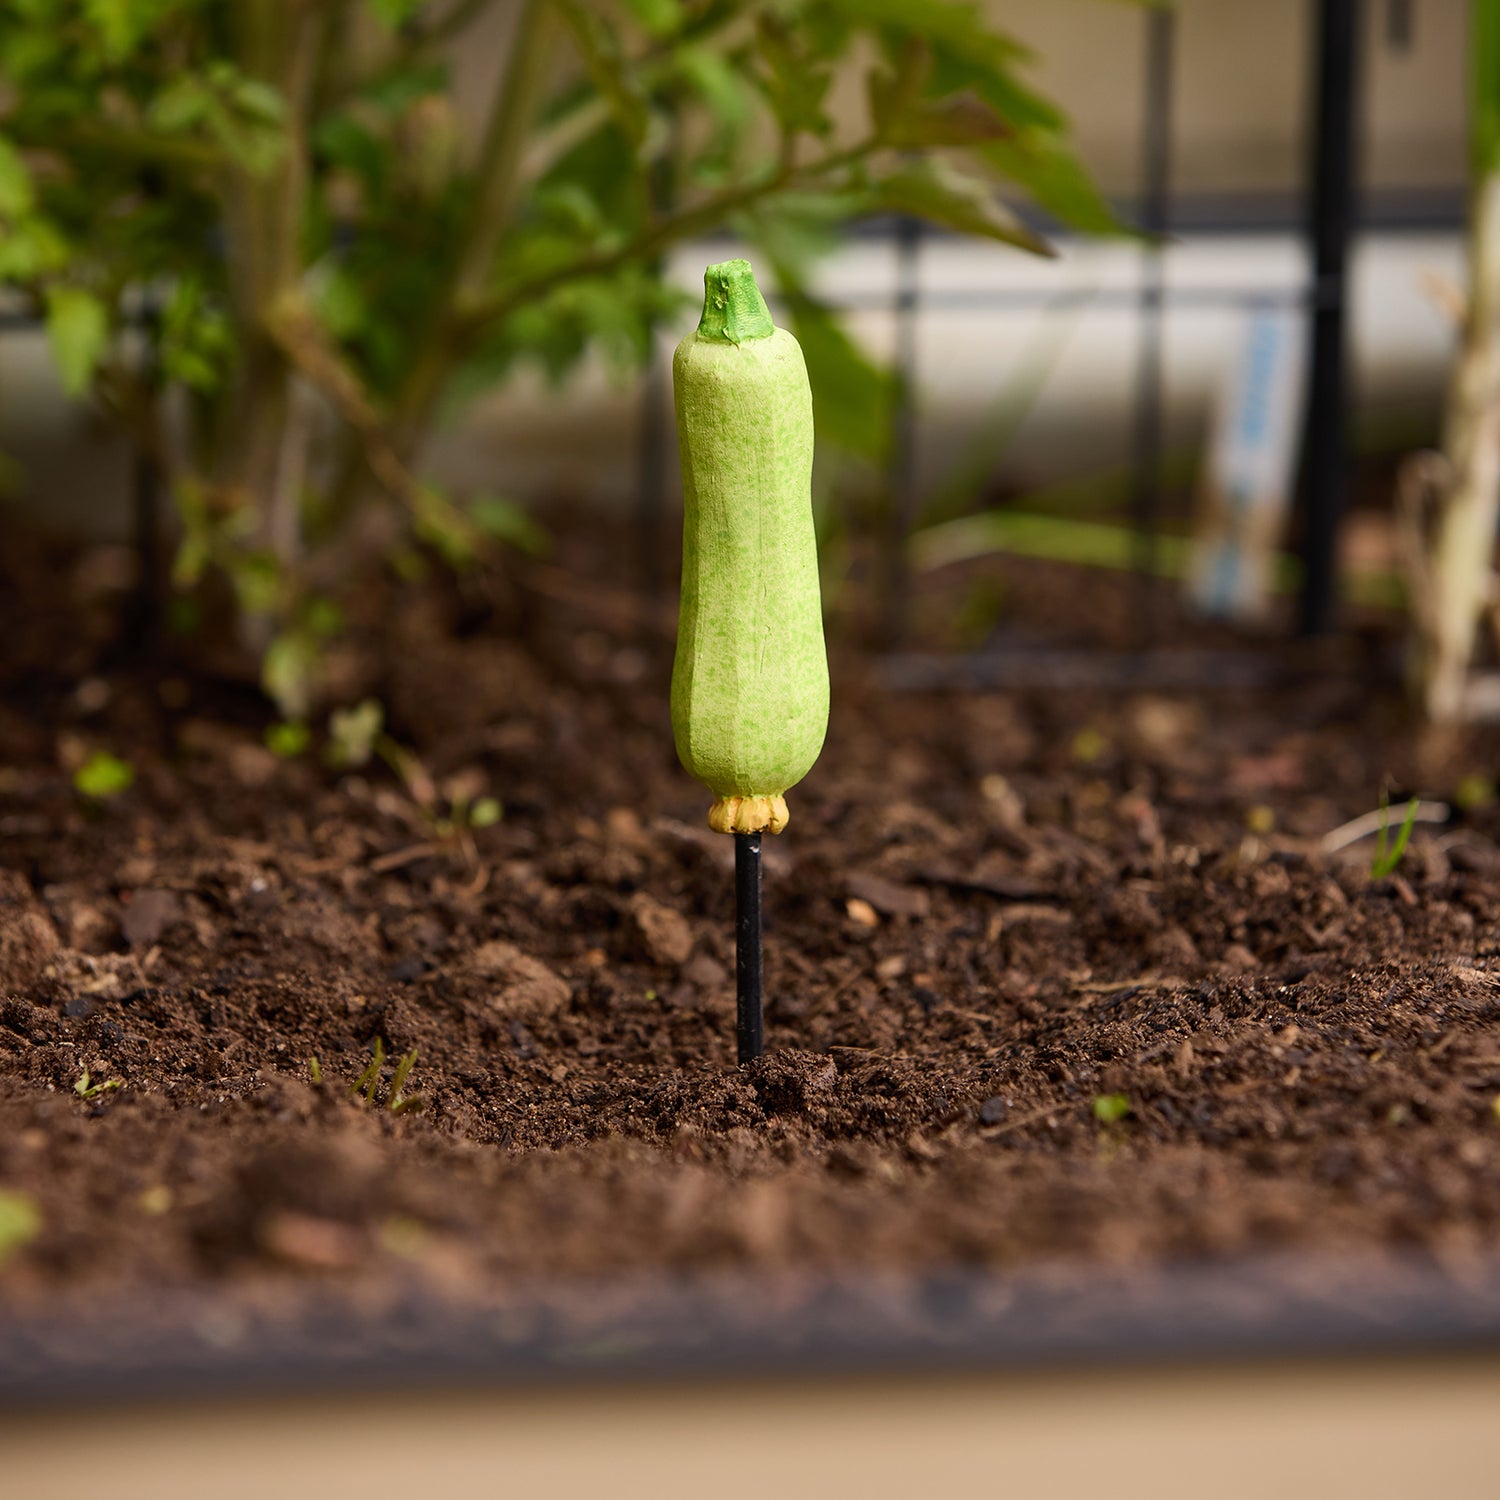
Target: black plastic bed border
pixel 180 1346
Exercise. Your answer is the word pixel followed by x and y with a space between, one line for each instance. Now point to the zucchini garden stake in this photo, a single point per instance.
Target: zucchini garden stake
pixel 750 680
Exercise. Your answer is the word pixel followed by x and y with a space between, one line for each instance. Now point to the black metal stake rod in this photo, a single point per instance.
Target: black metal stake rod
pixel 1331 216
pixel 1155 205
pixel 749 993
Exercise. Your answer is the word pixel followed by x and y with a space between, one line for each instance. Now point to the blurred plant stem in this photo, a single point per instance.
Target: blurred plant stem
pixel 1453 583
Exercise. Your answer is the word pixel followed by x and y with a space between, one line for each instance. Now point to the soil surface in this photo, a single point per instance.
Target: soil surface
pixel 1063 976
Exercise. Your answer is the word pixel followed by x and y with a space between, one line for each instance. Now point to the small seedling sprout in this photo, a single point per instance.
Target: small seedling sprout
pixel 20 1222
pixel 288 738
pixel 315 1069
pixel 366 1085
pixel 1388 852
pixel 352 734
pixel 1111 1109
pixel 449 814
pixel 85 1088
pixel 103 776
pixel 1474 791
pixel 397 1102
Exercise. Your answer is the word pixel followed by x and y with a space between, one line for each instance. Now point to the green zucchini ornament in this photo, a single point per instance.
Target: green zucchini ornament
pixel 750 679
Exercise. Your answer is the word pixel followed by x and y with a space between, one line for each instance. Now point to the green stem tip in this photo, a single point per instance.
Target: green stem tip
pixel 733 308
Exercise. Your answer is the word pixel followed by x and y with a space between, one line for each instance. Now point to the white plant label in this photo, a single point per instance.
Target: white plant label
pixel 1251 466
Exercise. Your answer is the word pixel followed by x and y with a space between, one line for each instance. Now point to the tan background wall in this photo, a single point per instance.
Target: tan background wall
pixel 1241 87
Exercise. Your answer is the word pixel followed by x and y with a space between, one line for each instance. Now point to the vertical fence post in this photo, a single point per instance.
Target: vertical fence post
pixel 1155 204
pixel 651 472
pixel 145 491
pixel 655 412
pixel 902 515
pixel 1330 217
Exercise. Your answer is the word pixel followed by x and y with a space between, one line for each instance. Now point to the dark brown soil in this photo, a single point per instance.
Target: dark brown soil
pixel 990 912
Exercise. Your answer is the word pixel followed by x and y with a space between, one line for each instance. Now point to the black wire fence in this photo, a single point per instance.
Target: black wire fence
pixel 1326 216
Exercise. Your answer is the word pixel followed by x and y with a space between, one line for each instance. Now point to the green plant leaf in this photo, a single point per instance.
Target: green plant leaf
pixel 16 193
pixel 257 580
pixel 394 14
pixel 485 813
pixel 120 25
pixel 794 86
pixel 181 105
pixel 658 18
pixel 599 47
pixel 1040 162
pixel 20 1222
pixel 444 527
pixel 721 86
pixel 197 342
pixel 1387 859
pixel 956 25
pixel 507 522
pixel 78 331
pixel 937 191
pixel 353 732
pixel 288 739
pixel 906 115
pixel 964 120
pixel 103 776
pixel 30 247
pixel 1110 1109
pixel 288 670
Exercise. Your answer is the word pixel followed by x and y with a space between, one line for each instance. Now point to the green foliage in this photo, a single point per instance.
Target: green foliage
pixel 20 1222
pixel 1111 1109
pixel 352 734
pixel 1484 64
pixel 484 812
pixel 505 521
pixel 288 739
pixel 86 1088
pixel 1474 790
pixel 367 1085
pixel 398 255
pixel 103 776
pixel 1388 851
pixel 78 331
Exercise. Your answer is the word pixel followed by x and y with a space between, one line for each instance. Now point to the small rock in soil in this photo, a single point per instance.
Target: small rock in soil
pixel 1238 959
pixel 525 984
pixel 888 898
pixel 662 934
pixel 788 1081
pixel 147 915
pixel 303 1240
pixel 85 926
pixel 993 1111
pixel 27 938
pixel 705 971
